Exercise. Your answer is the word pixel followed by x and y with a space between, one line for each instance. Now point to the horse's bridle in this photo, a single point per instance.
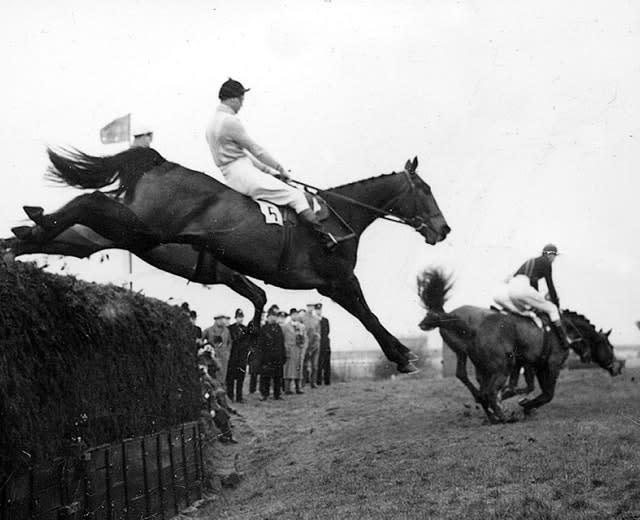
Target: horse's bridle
pixel 417 222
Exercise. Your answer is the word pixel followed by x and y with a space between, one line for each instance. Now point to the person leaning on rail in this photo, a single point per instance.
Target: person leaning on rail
pixel 250 169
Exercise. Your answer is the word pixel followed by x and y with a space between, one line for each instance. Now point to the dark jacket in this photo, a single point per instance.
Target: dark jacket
pixel 325 342
pixel 240 344
pixel 537 268
pixel 270 350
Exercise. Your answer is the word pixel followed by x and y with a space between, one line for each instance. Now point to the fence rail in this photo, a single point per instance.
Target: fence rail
pixel 150 477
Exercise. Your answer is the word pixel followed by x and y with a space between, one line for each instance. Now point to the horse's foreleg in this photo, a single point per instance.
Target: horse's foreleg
pixel 529 378
pixel 348 294
pixel 105 216
pixel 547 379
pixel 461 374
pixel 244 287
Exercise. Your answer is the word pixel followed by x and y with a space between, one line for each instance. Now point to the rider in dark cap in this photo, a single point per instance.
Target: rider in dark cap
pixel 250 169
pixel 523 293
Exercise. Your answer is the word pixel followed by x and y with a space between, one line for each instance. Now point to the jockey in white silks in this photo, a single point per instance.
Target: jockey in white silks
pixel 247 167
pixel 520 293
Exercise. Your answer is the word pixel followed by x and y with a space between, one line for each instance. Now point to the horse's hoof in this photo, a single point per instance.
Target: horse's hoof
pixel 34 213
pixel 22 232
pixel 524 402
pixel 408 368
pixel 411 357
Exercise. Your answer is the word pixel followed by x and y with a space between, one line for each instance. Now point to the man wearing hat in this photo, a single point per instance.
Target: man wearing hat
pixel 238 357
pixel 324 358
pixel 247 167
pixel 272 356
pixel 142 135
pixel 522 291
pixel 222 351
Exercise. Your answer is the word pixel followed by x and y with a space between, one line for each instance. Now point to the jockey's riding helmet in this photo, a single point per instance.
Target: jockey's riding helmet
pixel 550 249
pixel 231 89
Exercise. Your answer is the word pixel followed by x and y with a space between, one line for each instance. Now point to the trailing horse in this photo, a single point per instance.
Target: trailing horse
pixel 158 202
pixel 497 342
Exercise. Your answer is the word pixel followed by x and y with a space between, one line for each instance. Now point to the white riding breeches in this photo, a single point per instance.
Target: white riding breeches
pixel 518 295
pixel 245 178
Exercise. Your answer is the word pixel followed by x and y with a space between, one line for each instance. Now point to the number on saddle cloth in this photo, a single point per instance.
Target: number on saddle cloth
pixel 278 215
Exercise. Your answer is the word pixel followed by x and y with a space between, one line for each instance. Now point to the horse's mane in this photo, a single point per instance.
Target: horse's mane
pixel 415 178
pixel 579 320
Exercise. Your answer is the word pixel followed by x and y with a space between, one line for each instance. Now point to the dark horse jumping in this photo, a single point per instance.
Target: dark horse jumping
pixel 497 342
pixel 158 202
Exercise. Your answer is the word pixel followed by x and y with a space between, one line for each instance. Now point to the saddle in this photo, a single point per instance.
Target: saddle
pixel 541 320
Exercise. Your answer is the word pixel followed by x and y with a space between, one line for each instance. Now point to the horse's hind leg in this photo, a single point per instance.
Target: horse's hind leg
pixel 489 391
pixel 105 216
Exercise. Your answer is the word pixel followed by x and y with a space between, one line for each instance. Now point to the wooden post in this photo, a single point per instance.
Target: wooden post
pixel 145 479
pixel 173 473
pixel 196 458
pixel 3 500
pixel 107 482
pixel 184 464
pixel 32 492
pixel 159 467
pixel 88 513
pixel 125 480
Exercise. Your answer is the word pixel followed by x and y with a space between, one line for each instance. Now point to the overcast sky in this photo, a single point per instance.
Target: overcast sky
pixel 524 115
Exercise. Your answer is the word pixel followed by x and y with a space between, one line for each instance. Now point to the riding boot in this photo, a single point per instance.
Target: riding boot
pixel 562 334
pixel 310 219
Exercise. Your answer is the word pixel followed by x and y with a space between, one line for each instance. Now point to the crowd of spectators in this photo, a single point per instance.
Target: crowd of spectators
pixel 287 353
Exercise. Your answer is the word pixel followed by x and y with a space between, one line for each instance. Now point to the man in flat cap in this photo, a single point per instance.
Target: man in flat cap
pixel 222 351
pixel 247 167
pixel 324 358
pixel 237 367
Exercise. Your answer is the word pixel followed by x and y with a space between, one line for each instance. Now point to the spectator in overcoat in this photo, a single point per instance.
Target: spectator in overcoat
pixel 324 358
pixel 272 356
pixel 238 358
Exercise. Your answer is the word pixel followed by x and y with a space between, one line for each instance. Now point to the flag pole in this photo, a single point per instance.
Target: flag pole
pixel 130 254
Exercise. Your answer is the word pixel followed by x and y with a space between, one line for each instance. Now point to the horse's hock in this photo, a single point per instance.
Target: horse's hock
pixel 83 364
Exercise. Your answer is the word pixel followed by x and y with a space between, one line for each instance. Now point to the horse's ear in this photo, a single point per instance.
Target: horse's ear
pixel 407 166
pixel 608 332
pixel 415 163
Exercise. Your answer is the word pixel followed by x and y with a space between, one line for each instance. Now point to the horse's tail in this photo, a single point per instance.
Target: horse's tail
pixel 80 170
pixel 433 288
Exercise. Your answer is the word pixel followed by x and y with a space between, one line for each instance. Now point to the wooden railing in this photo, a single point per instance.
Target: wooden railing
pixel 153 476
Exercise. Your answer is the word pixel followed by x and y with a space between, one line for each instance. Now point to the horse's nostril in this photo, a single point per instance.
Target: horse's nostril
pixel 446 230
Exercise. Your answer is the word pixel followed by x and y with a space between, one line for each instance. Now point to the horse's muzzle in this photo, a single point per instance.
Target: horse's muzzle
pixel 616 367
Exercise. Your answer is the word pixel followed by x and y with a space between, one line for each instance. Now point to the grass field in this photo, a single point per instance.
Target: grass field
pixel 418 448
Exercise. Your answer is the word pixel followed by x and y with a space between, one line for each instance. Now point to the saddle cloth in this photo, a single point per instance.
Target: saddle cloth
pixel 278 215
pixel 539 319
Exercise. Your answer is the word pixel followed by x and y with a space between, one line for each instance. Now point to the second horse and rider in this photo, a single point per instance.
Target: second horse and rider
pixel 526 330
